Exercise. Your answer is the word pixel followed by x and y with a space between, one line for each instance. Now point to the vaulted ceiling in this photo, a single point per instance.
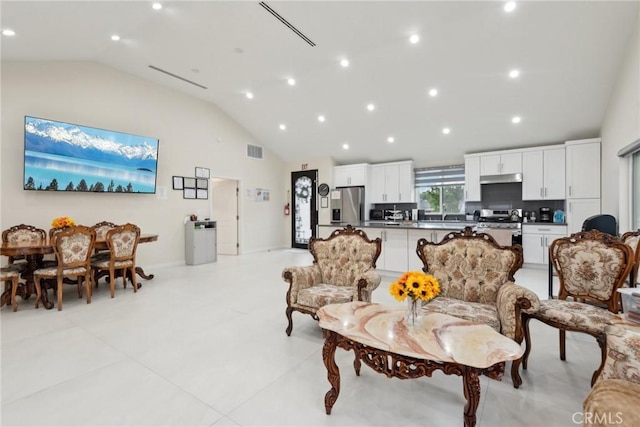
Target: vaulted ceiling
pixel 568 54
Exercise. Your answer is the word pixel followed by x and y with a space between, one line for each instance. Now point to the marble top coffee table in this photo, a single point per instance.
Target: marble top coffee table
pixel 379 337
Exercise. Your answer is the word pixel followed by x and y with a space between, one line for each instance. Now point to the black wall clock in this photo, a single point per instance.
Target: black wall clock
pixel 323 189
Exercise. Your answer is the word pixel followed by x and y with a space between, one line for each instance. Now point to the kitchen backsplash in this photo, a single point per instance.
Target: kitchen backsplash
pixel 509 196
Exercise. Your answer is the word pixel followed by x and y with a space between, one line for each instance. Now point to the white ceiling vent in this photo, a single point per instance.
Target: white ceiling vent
pixel 254 151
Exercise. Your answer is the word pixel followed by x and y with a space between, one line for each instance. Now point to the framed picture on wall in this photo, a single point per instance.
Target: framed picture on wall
pixel 189 193
pixel 177 183
pixel 202 194
pixel 202 183
pixel 203 172
pixel 189 182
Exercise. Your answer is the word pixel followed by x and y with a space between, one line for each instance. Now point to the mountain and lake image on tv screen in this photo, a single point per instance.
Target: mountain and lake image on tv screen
pixel 62 156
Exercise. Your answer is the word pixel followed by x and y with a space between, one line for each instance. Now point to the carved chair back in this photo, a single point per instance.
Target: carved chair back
pixel 73 246
pixel 591 265
pixel 470 266
pixel 102 228
pixel 345 254
pixel 632 238
pixel 122 242
pixel 23 233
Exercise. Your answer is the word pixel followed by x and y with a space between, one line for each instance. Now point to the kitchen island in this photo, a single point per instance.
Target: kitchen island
pixel 400 239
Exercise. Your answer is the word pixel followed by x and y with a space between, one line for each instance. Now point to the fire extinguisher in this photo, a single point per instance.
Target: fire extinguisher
pixel 286 209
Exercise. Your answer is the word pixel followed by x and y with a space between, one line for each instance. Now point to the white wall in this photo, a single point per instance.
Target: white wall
pixel 189 130
pixel 621 126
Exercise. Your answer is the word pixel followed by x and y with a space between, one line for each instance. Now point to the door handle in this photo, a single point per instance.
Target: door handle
pixel 569 190
pixel 541 192
pixel 541 241
pixel 545 191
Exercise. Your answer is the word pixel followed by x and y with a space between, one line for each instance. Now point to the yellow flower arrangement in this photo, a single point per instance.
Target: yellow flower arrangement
pixel 415 285
pixel 62 221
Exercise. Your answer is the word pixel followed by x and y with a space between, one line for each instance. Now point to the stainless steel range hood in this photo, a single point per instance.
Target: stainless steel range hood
pixel 501 179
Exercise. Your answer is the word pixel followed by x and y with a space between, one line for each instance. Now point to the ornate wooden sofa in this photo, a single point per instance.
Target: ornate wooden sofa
pixel 343 270
pixel 477 280
pixel 615 398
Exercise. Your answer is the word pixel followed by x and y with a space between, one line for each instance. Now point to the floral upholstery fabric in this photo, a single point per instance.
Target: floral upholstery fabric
pixel 320 295
pixel 123 243
pixel 101 232
pixel 469 269
pixel 473 311
pixel 7 273
pixel 53 271
pixel 74 248
pixel 577 315
pixel 23 235
pixel 104 264
pixel 508 297
pixel 617 392
pixel 342 259
pixel 586 266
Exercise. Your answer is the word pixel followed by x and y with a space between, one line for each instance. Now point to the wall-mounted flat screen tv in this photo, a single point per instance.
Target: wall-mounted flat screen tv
pixel 61 156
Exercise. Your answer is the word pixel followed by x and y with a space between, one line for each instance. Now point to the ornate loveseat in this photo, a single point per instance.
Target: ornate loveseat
pixel 343 270
pixel 615 397
pixel 477 280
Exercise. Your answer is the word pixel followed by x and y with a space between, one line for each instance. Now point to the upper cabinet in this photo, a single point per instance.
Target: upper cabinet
pixel 472 179
pixel 543 174
pixel 392 183
pixel 583 169
pixel 350 175
pixel 501 163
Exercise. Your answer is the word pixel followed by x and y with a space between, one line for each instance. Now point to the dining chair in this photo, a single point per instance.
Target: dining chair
pixel 122 242
pixel 22 233
pixel 632 238
pixel 591 266
pixel 10 276
pixel 72 247
pixel 101 229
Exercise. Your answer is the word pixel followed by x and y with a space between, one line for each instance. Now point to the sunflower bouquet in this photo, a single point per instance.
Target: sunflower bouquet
pixel 62 221
pixel 415 285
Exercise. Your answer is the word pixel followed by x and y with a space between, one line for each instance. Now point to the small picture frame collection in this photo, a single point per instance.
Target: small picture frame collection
pixel 196 187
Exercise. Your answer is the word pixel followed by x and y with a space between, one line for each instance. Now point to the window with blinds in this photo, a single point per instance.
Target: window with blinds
pixel 440 190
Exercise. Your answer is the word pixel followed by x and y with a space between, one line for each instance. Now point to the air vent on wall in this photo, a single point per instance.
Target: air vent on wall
pixel 254 151
pixel 287 23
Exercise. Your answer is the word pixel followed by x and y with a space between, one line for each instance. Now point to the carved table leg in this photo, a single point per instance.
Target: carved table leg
pixel 471 385
pixel 333 373
pixel 140 272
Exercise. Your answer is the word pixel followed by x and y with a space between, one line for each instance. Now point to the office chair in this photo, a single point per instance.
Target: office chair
pixel 601 222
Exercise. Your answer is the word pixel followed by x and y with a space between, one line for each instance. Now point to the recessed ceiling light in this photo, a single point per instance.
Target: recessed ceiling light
pixel 156 6
pixel 283 127
pixel 510 6
pixel 321 118
pixel 249 95
pixel 391 140
pixel 516 119
pixel 414 39
pixel 344 62
pixel 115 37
pixel 514 73
pixel 433 92
pixel 345 146
pixel 8 32
pixel 291 81
pixel 446 131
pixel 371 107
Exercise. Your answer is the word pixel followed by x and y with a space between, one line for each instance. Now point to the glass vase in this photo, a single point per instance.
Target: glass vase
pixel 414 312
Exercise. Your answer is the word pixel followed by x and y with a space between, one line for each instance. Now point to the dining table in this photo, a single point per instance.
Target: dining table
pixel 34 252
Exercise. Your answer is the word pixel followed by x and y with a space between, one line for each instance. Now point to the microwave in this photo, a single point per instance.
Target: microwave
pixel 376 215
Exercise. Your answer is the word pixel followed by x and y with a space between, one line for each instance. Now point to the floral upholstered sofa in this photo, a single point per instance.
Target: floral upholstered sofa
pixel 343 270
pixel 615 397
pixel 476 276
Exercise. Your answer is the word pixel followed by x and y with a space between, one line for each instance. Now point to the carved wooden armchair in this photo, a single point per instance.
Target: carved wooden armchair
pixel 615 398
pixel 343 270
pixel 632 238
pixel 476 276
pixel 591 266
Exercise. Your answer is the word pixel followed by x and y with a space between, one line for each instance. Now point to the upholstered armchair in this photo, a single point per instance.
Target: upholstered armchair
pixel 343 270
pixel 476 276
pixel 615 398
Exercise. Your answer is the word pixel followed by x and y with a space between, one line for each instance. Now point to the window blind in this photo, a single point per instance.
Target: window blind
pixel 438 176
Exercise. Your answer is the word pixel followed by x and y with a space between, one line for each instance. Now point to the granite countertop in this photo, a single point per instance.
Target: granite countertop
pixel 427 225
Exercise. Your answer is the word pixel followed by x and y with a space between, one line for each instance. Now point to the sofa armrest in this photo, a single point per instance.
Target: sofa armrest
pixel 365 284
pixel 511 301
pixel 623 353
pixel 300 278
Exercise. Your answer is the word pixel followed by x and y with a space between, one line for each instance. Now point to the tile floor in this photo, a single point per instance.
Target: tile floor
pixel 205 346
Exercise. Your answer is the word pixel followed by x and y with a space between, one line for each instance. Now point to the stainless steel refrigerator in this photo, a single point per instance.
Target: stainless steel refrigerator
pixel 347 205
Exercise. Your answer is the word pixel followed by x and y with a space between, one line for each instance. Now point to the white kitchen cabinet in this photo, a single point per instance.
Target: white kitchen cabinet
pixel 583 169
pixel 324 231
pixel 393 256
pixel 578 210
pixel 392 183
pixel 501 163
pixel 543 174
pixel 536 240
pixel 350 175
pixel 472 179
